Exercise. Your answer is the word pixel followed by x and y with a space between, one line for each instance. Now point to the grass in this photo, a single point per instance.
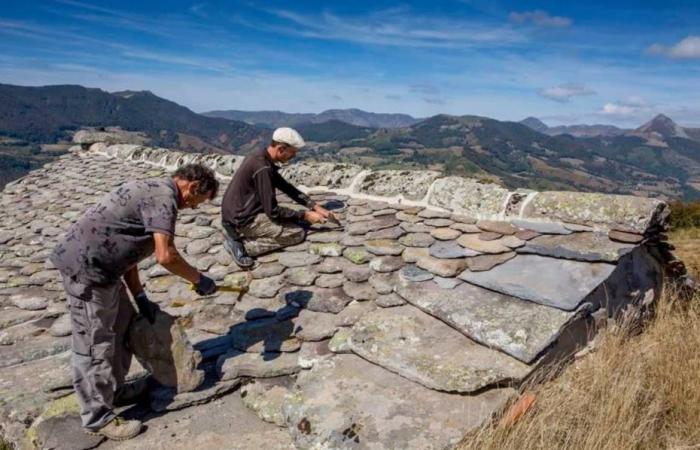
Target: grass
pixel 633 392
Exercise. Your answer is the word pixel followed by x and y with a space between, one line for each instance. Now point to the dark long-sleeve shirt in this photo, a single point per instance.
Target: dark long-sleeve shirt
pixel 253 190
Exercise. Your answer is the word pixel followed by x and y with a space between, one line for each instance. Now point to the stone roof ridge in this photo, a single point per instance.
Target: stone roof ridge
pixel 432 189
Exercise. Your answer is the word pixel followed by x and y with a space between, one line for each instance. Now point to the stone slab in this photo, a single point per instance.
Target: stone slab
pixel 318 299
pixel 349 403
pixel 235 364
pixel 542 227
pixel 264 335
pixel 520 329
pixel 592 247
pixel 417 346
pixel 560 283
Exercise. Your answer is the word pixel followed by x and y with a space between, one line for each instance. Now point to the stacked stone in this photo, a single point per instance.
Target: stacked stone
pixel 431 302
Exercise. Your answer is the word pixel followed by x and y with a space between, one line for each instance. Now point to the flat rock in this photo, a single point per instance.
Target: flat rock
pixel 61 326
pixel 318 299
pixel 447 283
pixel 65 432
pixel 375 224
pixel 450 250
pixel 526 235
pixel 489 236
pixel 263 336
pixel 419 227
pixel 417 240
pixel 438 222
pixel 578 246
pixel 339 341
pixel 301 276
pixel 383 283
pixel 383 247
pixel 314 326
pixel 298 259
pixel 438 356
pixel 442 267
pixel 520 329
pixel 390 300
pixel 406 217
pixel 472 242
pixel 266 287
pixel 411 272
pixel 235 364
pixel 359 291
pixel 330 280
pixel 429 213
pixel 445 234
pixel 373 408
pixel 413 254
pixel 386 264
pixel 265 400
pixel 354 312
pixel 542 227
pixel 565 286
pixel 387 233
pixel 29 301
pixel 329 249
pixel 495 226
pixel 466 227
pixel 165 399
pixel 197 247
pixel 266 270
pixel 357 273
pixel 326 237
pixel 621 236
pixel 357 255
pixel 332 265
pixel 512 241
pixel 488 262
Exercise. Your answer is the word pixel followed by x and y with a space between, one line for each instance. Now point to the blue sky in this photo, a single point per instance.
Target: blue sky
pixel 609 61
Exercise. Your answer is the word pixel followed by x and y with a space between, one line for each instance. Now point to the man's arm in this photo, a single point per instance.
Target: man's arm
pixel 266 193
pixel 292 192
pixel 133 282
pixel 168 257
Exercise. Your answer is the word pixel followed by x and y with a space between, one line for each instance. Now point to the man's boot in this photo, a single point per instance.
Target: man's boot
pixel 132 392
pixel 118 429
pixel 234 245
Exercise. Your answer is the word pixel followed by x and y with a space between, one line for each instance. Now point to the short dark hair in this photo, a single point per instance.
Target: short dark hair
pixel 201 173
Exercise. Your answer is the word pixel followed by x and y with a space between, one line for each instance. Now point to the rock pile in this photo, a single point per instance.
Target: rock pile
pixel 405 328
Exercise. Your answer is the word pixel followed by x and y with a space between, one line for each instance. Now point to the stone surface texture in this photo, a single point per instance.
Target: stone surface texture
pixel 401 328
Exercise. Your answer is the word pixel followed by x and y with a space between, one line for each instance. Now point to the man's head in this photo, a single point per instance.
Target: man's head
pixel 284 145
pixel 196 184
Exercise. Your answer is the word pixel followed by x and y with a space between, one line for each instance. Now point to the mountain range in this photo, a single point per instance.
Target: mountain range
pixel 659 158
pixel 352 116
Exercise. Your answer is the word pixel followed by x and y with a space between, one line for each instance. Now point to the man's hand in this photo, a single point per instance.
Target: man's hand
pixel 313 217
pixel 322 211
pixel 147 308
pixel 206 286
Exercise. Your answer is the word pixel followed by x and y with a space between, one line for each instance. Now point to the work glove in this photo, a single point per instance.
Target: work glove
pixel 147 308
pixel 205 285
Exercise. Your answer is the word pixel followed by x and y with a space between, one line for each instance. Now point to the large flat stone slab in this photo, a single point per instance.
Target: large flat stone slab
pixel 560 283
pixel 349 403
pixel 420 347
pixel 592 247
pixel 518 328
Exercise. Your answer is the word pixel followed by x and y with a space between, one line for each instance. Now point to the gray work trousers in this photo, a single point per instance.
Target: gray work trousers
pixel 263 235
pixel 100 317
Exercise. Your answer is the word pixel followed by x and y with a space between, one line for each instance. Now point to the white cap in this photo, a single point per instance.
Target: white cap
pixel 288 136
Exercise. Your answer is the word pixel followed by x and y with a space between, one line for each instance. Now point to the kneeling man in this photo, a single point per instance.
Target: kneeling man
pixel 96 258
pixel 254 223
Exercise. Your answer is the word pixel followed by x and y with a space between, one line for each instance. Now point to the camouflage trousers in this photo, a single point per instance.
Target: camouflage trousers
pixel 263 235
pixel 100 317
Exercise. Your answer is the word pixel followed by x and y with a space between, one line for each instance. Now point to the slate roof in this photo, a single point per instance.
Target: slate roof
pixel 405 328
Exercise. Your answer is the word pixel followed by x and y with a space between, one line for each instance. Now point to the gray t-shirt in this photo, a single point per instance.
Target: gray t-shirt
pixel 117 232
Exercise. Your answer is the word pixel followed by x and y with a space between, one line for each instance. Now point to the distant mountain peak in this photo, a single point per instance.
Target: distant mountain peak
pixel 534 123
pixel 663 126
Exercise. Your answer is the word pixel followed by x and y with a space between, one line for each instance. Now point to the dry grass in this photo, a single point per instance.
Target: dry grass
pixel 633 392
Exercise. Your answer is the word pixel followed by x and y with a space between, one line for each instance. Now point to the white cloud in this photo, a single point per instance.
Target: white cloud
pixel 565 92
pixel 688 48
pixel 631 108
pixel 540 18
pixel 394 27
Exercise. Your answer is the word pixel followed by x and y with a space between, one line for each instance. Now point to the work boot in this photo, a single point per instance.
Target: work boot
pixel 131 392
pixel 237 250
pixel 118 429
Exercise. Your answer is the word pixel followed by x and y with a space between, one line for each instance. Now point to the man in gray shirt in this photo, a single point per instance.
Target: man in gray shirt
pixel 98 260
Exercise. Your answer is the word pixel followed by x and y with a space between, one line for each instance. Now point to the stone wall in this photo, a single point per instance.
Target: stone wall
pixel 642 216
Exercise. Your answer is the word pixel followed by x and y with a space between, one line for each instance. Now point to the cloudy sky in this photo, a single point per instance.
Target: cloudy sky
pixel 597 61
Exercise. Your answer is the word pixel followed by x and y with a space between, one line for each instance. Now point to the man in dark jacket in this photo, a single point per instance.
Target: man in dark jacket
pixel 97 257
pixel 254 223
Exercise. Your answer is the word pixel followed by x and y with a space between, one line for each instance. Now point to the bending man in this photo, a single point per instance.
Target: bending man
pixel 97 256
pixel 253 221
